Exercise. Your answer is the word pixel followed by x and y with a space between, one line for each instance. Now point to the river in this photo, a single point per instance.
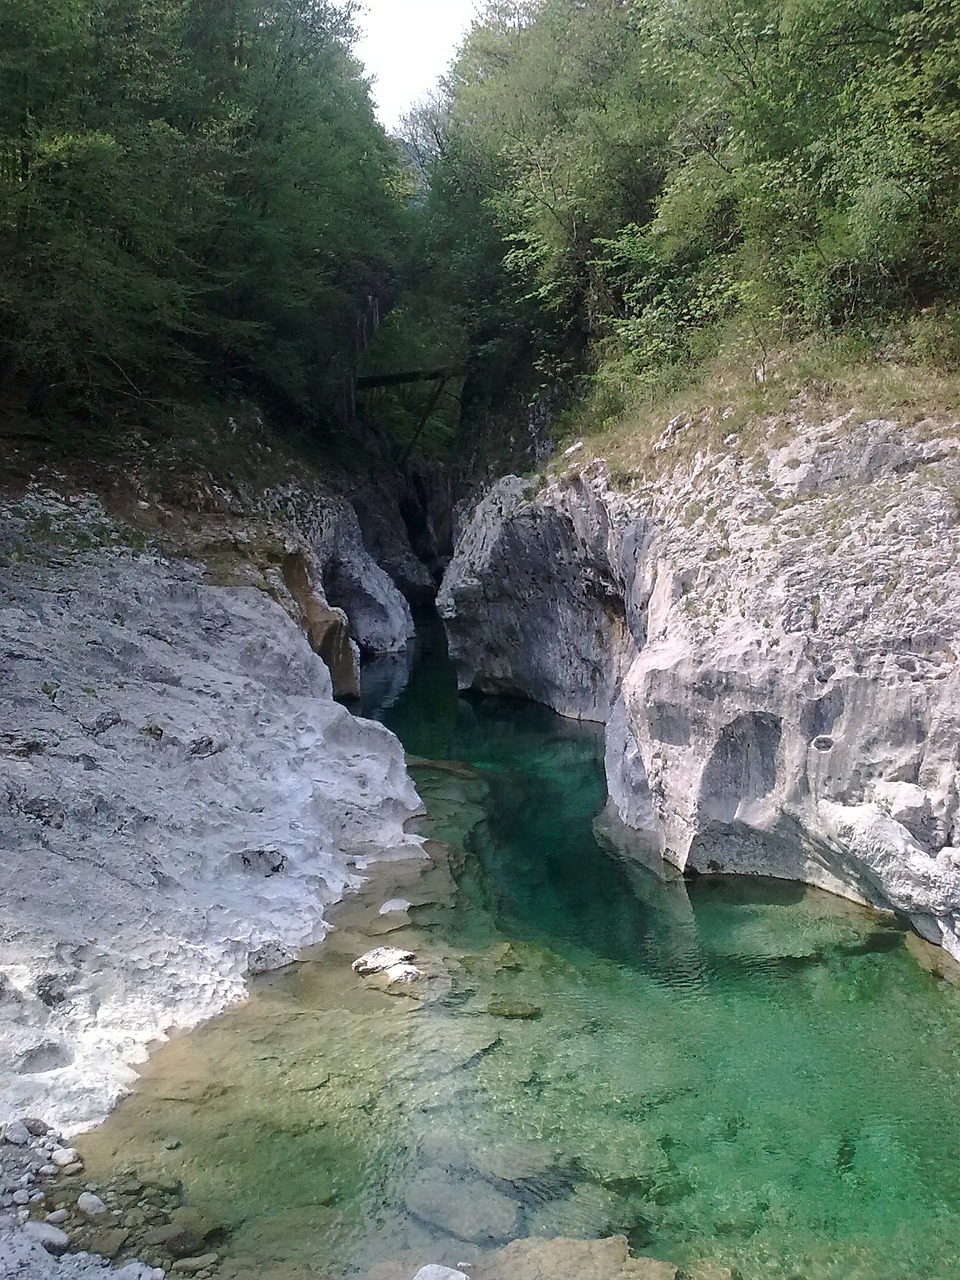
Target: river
pixel 739 1071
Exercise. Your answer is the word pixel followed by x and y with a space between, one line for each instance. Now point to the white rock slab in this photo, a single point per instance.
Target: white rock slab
pixel 395 904
pixel 379 960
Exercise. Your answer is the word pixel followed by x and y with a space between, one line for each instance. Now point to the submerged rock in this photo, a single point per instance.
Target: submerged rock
pixel 466 1208
pixel 563 1259
pixel 522 1010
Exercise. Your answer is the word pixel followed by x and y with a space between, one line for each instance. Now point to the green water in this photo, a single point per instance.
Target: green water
pixel 744 1072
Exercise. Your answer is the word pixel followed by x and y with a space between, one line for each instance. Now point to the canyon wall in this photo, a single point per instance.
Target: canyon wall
pixel 770 634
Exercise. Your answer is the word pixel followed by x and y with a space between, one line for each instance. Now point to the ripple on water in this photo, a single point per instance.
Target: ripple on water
pixel 747 1072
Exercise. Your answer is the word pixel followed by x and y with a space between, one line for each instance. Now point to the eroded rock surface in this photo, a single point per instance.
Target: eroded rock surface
pixel 771 638
pixel 180 798
pixel 379 616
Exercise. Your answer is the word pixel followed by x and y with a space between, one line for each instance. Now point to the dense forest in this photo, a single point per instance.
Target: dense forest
pixel 621 189
pixel 192 192
pixel 600 196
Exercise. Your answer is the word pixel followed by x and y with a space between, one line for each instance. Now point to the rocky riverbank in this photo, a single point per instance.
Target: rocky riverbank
pixel 182 798
pixel 770 634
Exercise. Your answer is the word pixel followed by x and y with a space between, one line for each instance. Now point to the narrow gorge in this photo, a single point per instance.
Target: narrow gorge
pixel 768 633
pixel 479 639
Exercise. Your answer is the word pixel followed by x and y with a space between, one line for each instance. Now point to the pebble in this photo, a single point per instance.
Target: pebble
pixel 91 1206
pixel 37 1127
pixel 58 1216
pixel 21 1197
pixel 62 1157
pixel 17 1133
pixel 439 1273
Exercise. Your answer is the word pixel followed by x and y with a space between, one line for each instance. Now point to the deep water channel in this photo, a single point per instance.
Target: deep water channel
pixel 723 1070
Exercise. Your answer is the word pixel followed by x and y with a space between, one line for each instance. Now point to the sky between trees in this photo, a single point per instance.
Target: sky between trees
pixel 406 47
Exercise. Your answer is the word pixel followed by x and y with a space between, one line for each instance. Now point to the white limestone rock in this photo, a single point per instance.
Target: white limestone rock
pixel 434 1272
pixel 394 905
pixel 770 636
pixel 403 973
pixel 379 615
pixel 380 960
pixel 180 800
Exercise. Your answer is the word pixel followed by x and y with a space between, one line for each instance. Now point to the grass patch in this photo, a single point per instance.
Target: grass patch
pixel 736 400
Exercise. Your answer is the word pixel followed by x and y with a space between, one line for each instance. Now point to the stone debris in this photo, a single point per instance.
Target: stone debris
pixel 45 1210
pixel 434 1272
pixel 380 959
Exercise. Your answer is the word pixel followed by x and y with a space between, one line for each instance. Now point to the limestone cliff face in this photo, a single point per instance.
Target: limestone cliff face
pixel 772 640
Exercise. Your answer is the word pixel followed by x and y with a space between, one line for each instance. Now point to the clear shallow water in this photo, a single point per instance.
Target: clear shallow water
pixel 729 1070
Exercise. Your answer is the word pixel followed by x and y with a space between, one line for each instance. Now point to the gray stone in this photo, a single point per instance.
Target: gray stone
pixel 16 1133
pixel 434 1272
pixel 52 1238
pixel 90 1205
pixel 62 1157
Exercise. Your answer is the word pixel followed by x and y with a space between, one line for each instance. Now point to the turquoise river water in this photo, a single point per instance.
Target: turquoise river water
pixel 739 1072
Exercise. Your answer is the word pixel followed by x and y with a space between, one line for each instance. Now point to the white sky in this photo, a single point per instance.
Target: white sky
pixel 407 46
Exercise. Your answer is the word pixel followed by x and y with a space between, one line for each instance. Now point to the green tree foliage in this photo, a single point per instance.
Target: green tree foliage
pixel 191 191
pixel 644 175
